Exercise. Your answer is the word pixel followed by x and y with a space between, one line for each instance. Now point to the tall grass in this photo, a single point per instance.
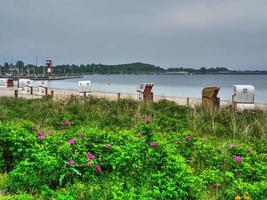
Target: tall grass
pixel 126 113
pixel 248 125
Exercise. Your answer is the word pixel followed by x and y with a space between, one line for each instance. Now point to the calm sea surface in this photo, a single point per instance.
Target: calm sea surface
pixel 170 85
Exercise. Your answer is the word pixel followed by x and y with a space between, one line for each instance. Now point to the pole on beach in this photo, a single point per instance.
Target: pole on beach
pixel 52 93
pixel 84 94
pixel 187 101
pixel 46 91
pixel 119 96
pixel 16 94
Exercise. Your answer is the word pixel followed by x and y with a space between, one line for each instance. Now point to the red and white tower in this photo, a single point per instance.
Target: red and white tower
pixel 49 66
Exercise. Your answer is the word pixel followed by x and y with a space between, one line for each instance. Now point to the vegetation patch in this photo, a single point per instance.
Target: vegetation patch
pixel 98 149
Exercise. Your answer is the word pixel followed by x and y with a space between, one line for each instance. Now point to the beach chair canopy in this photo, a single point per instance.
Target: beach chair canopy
pixel 145 87
pixel 244 94
pixel 10 83
pixel 23 82
pixel 210 92
pixel 84 86
pixel 3 82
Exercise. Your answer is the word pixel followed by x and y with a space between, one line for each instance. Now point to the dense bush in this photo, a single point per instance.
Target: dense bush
pixel 96 149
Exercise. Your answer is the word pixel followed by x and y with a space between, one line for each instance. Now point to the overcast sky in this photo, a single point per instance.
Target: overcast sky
pixel 167 33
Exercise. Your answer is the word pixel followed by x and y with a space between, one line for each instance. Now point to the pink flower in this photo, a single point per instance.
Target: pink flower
pixel 250 150
pixel 153 144
pixel 188 138
pixel 148 120
pixel 41 137
pixel 216 185
pixel 90 156
pixel 238 159
pixel 67 123
pixel 70 162
pixel 71 141
pixel 231 145
pixel 107 145
pixel 89 164
pixel 81 136
pixel 98 168
pixel 40 133
pixel 48 131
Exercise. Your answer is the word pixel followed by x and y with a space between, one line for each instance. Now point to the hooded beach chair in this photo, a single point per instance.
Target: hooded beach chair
pixel 243 97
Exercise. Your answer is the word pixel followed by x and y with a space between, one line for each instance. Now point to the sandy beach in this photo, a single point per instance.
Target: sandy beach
pixel 59 93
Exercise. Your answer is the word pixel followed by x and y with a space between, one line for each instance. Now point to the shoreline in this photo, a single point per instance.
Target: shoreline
pixel 59 93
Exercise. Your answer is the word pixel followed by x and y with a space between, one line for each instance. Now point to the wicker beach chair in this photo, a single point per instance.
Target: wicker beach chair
pixel 210 101
pixel 145 92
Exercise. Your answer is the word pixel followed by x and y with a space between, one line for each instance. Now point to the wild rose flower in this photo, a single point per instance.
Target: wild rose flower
pixel 216 185
pixel 107 145
pixel 153 144
pixel 98 168
pixel 48 131
pixel 231 145
pixel 41 135
pixel 148 120
pixel 90 156
pixel 238 159
pixel 89 164
pixel 71 141
pixel 250 150
pixel 188 138
pixel 70 162
pixel 67 123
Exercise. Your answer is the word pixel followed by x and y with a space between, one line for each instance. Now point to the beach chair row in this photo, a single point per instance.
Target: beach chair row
pixel 26 86
pixel 243 97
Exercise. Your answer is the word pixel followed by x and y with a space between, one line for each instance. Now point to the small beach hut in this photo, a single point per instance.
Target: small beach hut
pixel 3 82
pixel 145 92
pixel 209 98
pixel 10 83
pixel 42 88
pixel 26 85
pixel 84 87
pixel 23 82
pixel 243 97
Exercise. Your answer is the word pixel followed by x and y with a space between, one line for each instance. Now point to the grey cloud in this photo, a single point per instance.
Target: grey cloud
pixel 231 33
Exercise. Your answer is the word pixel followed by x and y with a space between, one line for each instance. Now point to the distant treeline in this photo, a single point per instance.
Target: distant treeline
pixel 132 68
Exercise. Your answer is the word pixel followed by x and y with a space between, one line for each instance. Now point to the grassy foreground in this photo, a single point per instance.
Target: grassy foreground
pixel 98 149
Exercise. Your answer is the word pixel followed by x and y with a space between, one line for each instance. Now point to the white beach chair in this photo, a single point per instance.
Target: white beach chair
pixel 26 85
pixel 84 87
pixel 23 82
pixel 243 97
pixel 42 88
pixel 3 83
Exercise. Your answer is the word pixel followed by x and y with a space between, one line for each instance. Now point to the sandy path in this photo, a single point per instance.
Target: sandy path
pixel 59 93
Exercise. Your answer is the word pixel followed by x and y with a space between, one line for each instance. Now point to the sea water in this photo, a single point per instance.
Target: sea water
pixel 170 85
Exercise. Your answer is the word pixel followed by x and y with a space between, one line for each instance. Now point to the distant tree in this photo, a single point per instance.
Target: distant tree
pixel 20 66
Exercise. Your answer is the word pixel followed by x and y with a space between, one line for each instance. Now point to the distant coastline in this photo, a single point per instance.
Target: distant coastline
pixel 137 68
